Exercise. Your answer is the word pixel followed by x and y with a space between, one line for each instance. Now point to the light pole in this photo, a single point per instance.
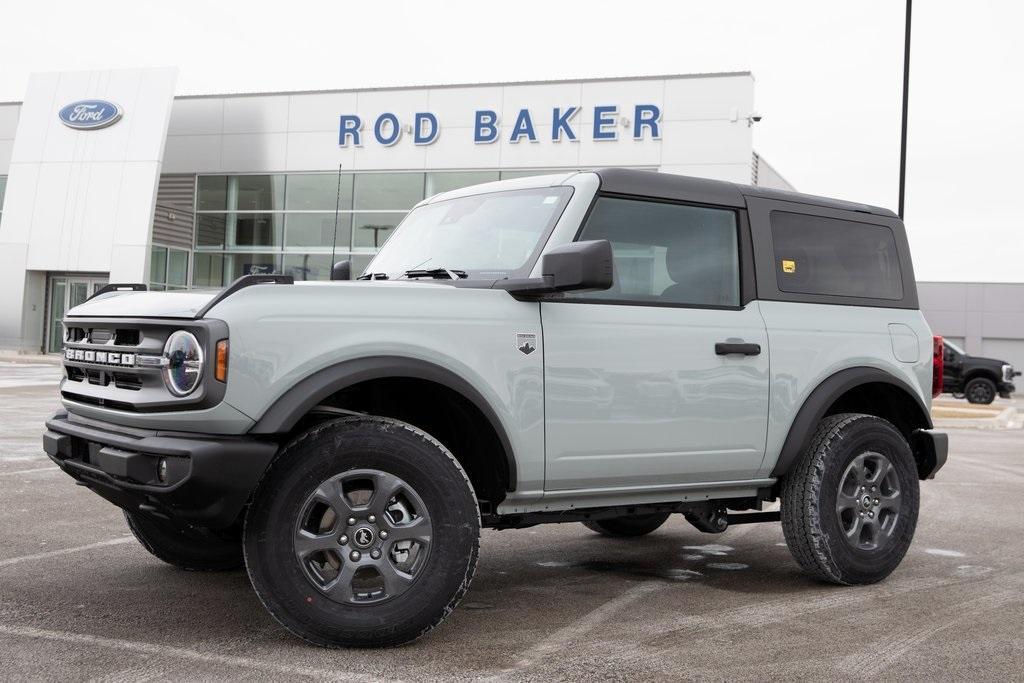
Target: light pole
pixel 906 94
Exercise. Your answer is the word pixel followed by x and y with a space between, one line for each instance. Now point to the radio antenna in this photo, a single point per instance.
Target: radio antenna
pixel 337 210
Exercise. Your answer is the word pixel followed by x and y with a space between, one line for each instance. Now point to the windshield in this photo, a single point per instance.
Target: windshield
pixel 955 347
pixel 489 235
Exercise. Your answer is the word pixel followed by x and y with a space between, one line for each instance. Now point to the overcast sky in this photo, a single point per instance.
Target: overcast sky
pixel 828 79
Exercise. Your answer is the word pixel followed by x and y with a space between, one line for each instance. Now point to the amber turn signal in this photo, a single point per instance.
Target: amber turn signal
pixel 221 371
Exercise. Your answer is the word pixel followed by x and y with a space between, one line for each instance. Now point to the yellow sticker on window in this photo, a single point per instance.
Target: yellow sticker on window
pixel 788 266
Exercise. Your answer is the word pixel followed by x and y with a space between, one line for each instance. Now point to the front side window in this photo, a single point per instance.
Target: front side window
pixel 669 254
pixel 489 235
pixel 833 257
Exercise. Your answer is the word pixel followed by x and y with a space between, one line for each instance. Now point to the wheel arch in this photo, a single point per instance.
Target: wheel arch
pixel 984 373
pixel 863 390
pixel 300 400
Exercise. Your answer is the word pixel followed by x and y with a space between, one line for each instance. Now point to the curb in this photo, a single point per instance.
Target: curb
pixel 36 359
pixel 1008 419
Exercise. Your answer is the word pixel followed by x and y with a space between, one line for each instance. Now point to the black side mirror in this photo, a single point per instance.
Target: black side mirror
pixel 579 266
pixel 570 268
pixel 342 270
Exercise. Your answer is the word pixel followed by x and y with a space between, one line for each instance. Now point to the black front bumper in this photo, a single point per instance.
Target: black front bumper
pixel 1006 389
pixel 195 478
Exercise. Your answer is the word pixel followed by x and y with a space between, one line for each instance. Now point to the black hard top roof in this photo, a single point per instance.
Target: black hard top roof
pixel 704 191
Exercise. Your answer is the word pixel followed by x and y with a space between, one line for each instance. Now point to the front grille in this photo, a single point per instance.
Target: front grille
pixel 126 338
pixel 126 381
pixel 115 363
pixel 99 335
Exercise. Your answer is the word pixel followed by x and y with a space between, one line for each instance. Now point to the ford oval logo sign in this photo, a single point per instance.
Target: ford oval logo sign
pixel 90 114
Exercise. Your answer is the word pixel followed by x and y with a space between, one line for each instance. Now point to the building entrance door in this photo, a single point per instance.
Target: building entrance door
pixel 66 291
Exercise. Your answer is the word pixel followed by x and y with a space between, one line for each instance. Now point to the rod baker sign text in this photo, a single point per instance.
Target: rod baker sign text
pixel 643 121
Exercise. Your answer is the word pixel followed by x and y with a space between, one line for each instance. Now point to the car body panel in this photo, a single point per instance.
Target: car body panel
pixel 671 411
pixel 811 342
pixel 470 332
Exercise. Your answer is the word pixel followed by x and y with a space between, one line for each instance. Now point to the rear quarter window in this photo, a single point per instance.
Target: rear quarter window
pixel 834 257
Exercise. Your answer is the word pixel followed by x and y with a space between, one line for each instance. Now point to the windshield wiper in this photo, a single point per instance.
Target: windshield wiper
pixel 373 276
pixel 437 274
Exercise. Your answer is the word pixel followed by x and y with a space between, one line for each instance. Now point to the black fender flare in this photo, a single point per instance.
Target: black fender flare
pixel 827 393
pixel 309 392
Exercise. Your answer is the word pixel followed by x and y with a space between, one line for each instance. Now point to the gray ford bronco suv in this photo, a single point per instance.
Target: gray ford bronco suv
pixel 604 347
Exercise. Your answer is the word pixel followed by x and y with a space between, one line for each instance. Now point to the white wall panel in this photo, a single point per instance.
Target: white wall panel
pixel 245 152
pixel 78 199
pixel 708 98
pixel 455 148
pixel 317 151
pixel 320 111
pixel 8 122
pixel 193 154
pixel 458 105
pixel 200 116
pixel 706 142
pixel 256 114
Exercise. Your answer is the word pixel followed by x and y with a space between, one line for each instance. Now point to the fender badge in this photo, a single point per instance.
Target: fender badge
pixel 527 343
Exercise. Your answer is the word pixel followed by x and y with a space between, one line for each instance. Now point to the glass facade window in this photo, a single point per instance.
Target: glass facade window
pixel 293 223
pixel 213 193
pixel 168 268
pixel 254 230
pixel 318 192
pixel 446 181
pixel 208 270
pixel 387 191
pixel 371 230
pixel 317 230
pixel 256 192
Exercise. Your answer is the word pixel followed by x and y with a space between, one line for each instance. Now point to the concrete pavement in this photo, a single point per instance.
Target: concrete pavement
pixel 79 599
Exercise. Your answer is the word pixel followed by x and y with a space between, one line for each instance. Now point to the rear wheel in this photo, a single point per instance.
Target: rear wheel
pixel 624 527
pixel 980 390
pixel 850 503
pixel 364 532
pixel 186 547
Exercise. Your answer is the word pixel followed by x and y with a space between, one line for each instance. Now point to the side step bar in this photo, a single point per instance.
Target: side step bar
pixel 755 517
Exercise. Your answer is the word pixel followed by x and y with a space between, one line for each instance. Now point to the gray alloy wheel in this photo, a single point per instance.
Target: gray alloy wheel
pixel 980 390
pixel 868 501
pixel 850 502
pixel 363 532
pixel 362 537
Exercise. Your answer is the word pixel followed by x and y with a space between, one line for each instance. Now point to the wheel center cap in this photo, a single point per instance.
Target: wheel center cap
pixel 866 502
pixel 363 537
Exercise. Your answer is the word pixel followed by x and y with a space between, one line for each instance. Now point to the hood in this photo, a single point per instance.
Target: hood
pixel 184 304
pixel 982 360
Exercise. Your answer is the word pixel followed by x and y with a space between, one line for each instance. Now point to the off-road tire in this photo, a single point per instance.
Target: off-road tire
pixel 329 450
pixel 186 548
pixel 980 390
pixel 628 527
pixel 810 490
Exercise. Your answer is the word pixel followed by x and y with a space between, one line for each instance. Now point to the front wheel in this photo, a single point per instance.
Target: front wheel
pixel 850 503
pixel 627 527
pixel 980 390
pixel 363 532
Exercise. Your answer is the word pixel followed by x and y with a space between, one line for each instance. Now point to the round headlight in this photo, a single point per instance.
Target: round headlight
pixel 184 365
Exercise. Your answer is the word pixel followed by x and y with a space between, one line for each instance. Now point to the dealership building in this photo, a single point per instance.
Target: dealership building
pixel 107 176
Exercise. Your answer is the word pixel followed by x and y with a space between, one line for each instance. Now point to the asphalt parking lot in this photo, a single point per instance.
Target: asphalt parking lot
pixel 79 599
